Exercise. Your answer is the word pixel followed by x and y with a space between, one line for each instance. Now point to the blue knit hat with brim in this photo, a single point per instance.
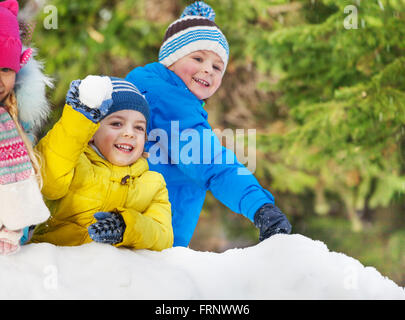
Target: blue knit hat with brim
pixel 126 96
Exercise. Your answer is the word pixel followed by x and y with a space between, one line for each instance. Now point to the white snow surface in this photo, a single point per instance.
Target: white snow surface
pixel 281 267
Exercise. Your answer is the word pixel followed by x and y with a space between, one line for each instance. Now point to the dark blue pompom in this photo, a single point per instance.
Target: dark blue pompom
pixel 199 8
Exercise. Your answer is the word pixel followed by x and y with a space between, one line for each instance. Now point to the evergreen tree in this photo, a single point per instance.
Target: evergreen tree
pixel 342 79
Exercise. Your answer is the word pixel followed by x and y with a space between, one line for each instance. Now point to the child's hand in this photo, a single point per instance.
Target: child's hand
pixel 109 228
pixel 9 240
pixel 92 96
pixel 270 220
pixel 7 248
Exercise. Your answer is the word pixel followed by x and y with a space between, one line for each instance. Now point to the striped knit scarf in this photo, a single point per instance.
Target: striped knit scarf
pixel 15 164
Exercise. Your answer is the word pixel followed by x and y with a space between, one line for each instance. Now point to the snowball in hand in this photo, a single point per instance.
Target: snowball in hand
pixel 93 90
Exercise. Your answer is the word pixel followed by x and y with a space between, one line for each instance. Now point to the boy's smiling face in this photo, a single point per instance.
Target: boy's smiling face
pixel 121 137
pixel 201 71
pixel 7 81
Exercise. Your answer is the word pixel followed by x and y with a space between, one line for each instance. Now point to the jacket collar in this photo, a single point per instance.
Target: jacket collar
pixel 167 75
pixel 170 77
pixel 134 170
pixel 30 89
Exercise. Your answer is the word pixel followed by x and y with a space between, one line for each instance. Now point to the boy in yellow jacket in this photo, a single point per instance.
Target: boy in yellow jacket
pixel 96 178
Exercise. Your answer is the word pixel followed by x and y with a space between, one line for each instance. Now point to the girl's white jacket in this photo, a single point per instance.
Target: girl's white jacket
pixel 22 204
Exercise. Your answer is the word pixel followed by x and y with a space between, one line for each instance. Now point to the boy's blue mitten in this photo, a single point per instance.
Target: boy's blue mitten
pixel 109 228
pixel 270 221
pixel 91 96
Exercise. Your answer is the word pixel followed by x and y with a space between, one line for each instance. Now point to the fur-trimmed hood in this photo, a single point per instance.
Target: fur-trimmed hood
pixel 30 90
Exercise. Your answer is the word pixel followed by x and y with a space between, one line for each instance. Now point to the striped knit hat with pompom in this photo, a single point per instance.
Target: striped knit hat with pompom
pixel 194 31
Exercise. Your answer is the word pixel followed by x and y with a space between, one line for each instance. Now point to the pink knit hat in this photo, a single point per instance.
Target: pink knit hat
pixel 10 42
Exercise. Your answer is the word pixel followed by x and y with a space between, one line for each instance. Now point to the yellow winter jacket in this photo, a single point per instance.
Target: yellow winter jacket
pixel 78 183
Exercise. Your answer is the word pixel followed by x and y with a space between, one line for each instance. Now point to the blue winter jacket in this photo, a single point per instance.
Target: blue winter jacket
pixel 184 149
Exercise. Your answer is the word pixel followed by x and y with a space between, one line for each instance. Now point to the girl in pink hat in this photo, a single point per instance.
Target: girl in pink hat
pixel 23 108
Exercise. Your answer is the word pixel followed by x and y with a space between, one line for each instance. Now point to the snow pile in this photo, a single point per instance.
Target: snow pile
pixel 282 267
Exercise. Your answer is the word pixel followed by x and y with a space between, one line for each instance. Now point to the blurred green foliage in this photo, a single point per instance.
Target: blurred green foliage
pixel 327 102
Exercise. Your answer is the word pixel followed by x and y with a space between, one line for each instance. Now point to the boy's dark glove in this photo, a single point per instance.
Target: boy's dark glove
pixel 270 221
pixel 91 96
pixel 109 228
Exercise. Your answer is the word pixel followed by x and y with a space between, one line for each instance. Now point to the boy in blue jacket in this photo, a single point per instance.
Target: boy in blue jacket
pixel 192 62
